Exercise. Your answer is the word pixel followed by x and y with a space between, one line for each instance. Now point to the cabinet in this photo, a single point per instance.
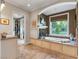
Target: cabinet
pixel 33 41
pixel 58 47
pixel 9 49
pixel 70 50
pixel 38 43
pixel 45 45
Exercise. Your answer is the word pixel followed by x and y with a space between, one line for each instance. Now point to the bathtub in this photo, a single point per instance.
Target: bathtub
pixel 59 40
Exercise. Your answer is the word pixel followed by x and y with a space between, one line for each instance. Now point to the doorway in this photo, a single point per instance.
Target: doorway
pixel 19 27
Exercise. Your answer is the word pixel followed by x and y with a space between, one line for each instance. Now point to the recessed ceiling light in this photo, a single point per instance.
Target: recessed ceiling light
pixel 2 5
pixel 28 5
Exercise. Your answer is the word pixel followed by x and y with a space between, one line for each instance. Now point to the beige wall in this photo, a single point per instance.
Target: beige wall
pixel 8 12
pixel 33 16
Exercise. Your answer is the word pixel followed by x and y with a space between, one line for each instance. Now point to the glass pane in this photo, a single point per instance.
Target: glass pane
pixel 59 25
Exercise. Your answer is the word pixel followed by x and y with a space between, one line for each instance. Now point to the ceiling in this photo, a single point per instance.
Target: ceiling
pixel 35 4
pixel 60 7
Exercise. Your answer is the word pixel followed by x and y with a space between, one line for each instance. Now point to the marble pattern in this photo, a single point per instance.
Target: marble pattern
pixel 34 52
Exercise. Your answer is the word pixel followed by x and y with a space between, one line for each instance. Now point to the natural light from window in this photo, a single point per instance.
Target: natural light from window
pixel 59 25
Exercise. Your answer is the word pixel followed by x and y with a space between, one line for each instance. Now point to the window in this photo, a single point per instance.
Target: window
pixel 59 25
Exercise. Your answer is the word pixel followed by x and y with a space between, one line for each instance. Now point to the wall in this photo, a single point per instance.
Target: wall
pixel 8 12
pixel 44 32
pixel 33 16
pixel 72 21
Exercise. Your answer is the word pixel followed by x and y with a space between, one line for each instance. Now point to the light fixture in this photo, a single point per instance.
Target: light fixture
pixel 28 4
pixel 2 5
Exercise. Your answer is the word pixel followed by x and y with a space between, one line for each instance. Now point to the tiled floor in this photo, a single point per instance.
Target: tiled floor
pixel 34 52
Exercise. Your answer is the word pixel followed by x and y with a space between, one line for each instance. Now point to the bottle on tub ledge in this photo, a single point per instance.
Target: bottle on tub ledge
pixel 72 39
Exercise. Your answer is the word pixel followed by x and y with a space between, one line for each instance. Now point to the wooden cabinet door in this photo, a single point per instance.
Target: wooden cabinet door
pixel 45 45
pixel 56 47
pixel 33 41
pixel 38 43
pixel 70 50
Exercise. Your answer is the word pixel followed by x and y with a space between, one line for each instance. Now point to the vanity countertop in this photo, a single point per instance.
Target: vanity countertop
pixel 9 37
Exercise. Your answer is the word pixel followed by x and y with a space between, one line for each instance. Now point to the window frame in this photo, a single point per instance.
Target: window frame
pixel 67 13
